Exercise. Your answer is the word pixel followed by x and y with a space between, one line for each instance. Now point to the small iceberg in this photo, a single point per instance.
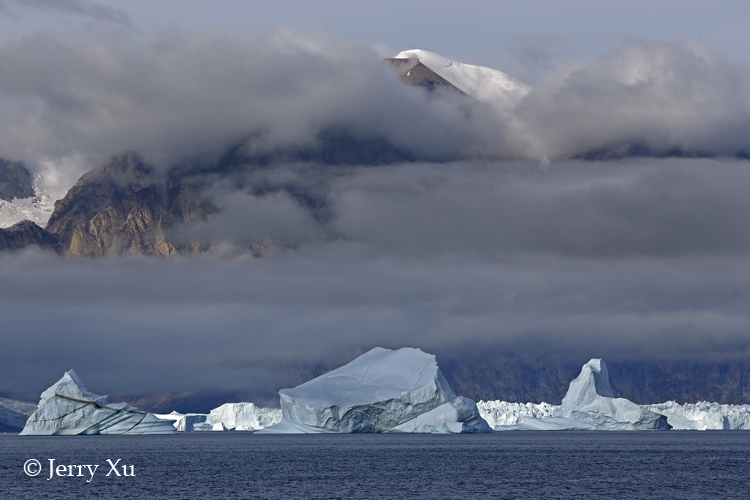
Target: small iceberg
pixel 227 417
pixel 383 390
pixel 68 408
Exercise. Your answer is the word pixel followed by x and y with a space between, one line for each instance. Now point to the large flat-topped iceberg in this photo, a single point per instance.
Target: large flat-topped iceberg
pixel 69 408
pixel 381 391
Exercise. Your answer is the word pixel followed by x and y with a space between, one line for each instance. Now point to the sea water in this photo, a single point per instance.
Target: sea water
pixel 549 465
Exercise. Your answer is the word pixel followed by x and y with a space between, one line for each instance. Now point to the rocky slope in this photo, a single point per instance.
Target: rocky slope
pixel 127 207
pixel 25 234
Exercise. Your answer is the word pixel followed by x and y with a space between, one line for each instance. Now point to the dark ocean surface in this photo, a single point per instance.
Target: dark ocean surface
pixel 618 465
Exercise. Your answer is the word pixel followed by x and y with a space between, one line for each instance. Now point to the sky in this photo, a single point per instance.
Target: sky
pixel 500 236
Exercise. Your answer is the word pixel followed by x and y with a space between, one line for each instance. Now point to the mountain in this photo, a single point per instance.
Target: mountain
pixel 430 70
pixel 128 207
pixel 13 414
pixel 15 181
pixel 24 234
pixel 23 196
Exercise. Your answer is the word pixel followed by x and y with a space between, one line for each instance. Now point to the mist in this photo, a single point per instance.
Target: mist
pixel 502 233
pixel 74 100
pixel 640 258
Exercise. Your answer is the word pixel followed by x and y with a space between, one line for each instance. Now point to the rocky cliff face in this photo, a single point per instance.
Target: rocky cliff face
pixel 15 181
pixel 127 207
pixel 25 234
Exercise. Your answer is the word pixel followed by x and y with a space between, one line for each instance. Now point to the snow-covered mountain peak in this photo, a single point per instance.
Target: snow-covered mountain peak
pixel 480 82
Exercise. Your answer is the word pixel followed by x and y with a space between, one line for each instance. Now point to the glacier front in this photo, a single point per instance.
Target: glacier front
pixel 69 408
pixel 383 390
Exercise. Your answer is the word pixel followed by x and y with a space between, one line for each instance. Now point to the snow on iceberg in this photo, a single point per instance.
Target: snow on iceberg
pixel 383 390
pixel 69 408
pixel 703 415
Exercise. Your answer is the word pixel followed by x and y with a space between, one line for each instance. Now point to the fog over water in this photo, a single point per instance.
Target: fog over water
pixel 569 228
pixel 647 257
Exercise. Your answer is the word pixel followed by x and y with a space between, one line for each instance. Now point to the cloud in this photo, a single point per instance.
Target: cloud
pixel 622 209
pixel 85 8
pixel 193 94
pixel 646 97
pixel 644 258
pixel 586 256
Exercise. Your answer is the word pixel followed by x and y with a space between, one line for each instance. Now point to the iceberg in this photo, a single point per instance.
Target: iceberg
pixel 243 417
pixel 383 390
pixel 227 417
pixel 589 404
pixel 503 413
pixel 187 422
pixel 704 415
pixel 69 408
pixel 590 401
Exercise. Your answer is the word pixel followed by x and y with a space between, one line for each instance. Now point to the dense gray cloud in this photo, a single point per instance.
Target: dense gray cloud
pixel 145 326
pixel 85 8
pixel 647 97
pixel 641 257
pixel 628 255
pixel 197 93
pixel 615 209
pixel 193 94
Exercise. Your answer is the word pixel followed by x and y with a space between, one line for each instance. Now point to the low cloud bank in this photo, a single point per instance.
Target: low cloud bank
pixel 443 257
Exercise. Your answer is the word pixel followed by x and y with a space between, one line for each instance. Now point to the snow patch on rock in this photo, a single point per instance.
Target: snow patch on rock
pixel 482 83
pixel 37 208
